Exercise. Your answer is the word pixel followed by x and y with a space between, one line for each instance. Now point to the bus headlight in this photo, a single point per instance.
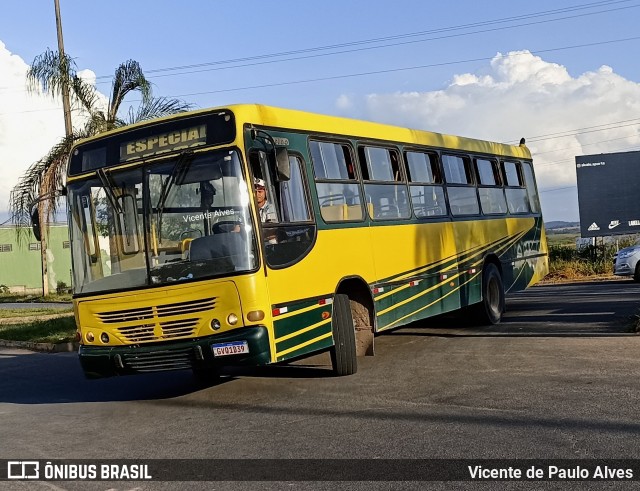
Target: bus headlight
pixel 104 337
pixel 232 319
pixel 90 337
pixel 215 324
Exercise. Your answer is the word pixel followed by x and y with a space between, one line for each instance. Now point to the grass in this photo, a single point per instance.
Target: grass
pixel 57 330
pixel 53 297
pixel 26 312
pixel 37 325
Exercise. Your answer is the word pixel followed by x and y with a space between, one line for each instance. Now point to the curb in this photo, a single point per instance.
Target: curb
pixel 42 347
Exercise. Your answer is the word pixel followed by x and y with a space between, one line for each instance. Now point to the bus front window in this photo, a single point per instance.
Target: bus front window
pixel 181 219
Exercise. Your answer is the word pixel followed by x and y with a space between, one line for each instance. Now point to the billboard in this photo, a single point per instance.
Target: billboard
pixel 609 193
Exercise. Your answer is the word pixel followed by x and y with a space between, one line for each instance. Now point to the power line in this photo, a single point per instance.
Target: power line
pixel 379 72
pixel 585 145
pixel 567 133
pixel 398 36
pixel 557 189
pixel 401 69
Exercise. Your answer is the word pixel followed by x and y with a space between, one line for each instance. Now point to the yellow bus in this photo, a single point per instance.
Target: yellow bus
pixel 365 227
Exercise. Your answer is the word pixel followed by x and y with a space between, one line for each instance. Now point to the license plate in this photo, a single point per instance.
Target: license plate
pixel 228 349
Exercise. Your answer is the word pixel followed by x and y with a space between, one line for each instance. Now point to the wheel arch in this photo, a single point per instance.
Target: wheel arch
pixel 493 259
pixel 362 311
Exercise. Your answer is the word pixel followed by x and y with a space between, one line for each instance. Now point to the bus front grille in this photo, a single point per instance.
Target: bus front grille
pixel 165 310
pixel 138 333
pixel 125 315
pixel 154 323
pixel 201 305
pixel 178 329
pixel 157 361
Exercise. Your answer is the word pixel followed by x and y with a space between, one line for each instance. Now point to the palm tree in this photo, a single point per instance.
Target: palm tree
pixel 51 73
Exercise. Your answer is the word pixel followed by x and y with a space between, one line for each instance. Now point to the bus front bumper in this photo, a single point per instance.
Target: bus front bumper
pixel 197 353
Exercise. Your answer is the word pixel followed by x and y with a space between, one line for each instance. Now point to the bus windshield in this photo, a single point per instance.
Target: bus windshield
pixel 183 218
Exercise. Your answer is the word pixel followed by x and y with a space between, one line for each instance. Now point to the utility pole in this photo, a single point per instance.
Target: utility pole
pixel 44 206
pixel 65 88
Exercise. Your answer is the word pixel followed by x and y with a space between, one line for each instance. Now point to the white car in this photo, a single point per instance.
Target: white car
pixel 626 261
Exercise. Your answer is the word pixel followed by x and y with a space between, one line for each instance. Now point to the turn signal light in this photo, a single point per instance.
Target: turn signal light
pixel 255 315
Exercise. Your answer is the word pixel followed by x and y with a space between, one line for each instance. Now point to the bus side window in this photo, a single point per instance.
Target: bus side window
pixel 293 235
pixel 532 191
pixel 336 182
pixel 385 187
pixel 425 184
pixel 492 200
pixel 517 199
pixel 293 198
pixel 463 197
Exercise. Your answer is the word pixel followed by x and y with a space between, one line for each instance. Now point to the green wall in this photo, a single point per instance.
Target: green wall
pixel 21 269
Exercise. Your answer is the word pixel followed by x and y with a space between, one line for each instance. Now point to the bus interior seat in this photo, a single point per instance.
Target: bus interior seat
pixel 184 246
pixel 388 211
pixel 229 245
pixel 334 213
pixel 354 212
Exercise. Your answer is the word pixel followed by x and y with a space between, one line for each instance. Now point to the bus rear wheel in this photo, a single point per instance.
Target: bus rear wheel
pixel 343 352
pixel 492 305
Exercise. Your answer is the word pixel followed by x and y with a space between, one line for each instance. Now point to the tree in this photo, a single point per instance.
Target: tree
pixel 51 73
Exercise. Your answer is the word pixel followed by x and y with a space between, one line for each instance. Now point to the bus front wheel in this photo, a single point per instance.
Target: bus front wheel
pixel 343 352
pixel 492 306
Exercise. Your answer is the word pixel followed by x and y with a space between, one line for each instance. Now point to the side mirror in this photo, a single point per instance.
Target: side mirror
pixel 35 224
pixel 282 164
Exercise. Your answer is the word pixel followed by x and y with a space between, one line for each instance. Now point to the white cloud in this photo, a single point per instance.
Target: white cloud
pixel 30 124
pixel 521 95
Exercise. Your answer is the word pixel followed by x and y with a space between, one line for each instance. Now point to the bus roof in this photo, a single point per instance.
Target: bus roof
pixel 277 117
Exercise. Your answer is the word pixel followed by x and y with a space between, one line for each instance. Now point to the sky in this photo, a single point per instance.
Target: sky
pixel 562 74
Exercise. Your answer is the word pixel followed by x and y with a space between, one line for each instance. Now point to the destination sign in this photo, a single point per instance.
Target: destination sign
pixel 164 142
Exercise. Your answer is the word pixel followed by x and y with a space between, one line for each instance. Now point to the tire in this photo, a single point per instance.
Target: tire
pixel 343 352
pixel 636 273
pixel 492 305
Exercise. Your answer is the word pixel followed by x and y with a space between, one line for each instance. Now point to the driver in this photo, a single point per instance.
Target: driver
pixel 266 209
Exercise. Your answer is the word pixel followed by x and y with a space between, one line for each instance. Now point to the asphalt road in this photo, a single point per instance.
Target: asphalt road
pixel 36 305
pixel 557 379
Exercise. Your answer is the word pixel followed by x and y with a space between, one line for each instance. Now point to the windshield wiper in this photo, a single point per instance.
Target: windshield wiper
pixel 108 184
pixel 177 175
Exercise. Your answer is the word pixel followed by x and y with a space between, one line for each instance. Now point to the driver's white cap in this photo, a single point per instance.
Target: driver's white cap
pixel 258 183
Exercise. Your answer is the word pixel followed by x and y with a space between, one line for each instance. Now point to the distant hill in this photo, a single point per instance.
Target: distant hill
pixel 559 225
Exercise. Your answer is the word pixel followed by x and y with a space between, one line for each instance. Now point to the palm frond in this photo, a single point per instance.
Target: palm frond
pixel 50 73
pixel 84 94
pixel 42 179
pixel 128 77
pixel 157 107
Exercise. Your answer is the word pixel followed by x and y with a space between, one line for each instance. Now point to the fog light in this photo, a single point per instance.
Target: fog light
pixel 255 315
pixel 232 319
pixel 90 337
pixel 215 324
pixel 104 337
